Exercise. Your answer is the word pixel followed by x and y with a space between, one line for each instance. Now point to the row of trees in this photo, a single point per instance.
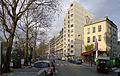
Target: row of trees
pixel 25 19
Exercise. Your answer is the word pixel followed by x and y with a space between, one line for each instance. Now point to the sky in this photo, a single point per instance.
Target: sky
pixel 99 8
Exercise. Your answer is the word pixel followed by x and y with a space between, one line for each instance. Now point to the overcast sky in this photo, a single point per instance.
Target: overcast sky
pixel 99 8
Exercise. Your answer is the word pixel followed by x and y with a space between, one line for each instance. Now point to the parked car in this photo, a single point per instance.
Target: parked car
pixel 46 65
pixel 78 61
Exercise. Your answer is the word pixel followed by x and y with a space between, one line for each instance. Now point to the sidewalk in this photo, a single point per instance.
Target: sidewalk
pixel 22 69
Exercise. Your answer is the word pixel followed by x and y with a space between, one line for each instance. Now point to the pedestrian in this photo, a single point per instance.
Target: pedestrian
pixel 29 58
pixel 54 65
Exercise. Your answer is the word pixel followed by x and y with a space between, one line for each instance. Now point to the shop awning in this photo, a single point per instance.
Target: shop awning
pixel 88 53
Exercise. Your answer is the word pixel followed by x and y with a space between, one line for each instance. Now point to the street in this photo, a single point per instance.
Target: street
pixel 65 68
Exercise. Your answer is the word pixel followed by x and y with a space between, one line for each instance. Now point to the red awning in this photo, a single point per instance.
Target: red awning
pixel 94 52
pixel 87 53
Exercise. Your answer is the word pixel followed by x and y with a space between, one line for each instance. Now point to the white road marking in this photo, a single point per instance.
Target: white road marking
pixel 65 64
pixel 61 64
pixel 57 64
pixel 117 70
pixel 114 68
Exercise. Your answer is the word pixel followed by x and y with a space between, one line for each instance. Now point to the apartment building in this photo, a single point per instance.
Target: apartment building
pixel 59 44
pixel 73 30
pixel 105 32
pixel 118 49
pixel 52 45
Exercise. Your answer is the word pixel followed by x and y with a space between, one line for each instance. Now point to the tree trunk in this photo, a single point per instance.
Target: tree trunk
pixel 34 47
pixel 6 67
pixel 26 47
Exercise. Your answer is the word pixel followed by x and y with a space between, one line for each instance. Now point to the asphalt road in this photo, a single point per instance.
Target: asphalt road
pixel 65 68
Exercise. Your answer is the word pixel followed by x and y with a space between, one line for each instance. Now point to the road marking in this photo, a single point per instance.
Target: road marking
pixel 61 64
pixel 56 71
pixel 57 64
pixel 118 70
pixel 114 68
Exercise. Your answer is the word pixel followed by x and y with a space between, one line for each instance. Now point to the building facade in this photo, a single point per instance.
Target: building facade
pixel 52 45
pixel 59 45
pixel 105 32
pixel 74 22
pixel 118 49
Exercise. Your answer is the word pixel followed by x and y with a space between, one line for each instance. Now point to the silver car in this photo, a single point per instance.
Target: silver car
pixel 45 65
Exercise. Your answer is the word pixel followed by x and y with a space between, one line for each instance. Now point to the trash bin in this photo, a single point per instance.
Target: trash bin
pixel 17 61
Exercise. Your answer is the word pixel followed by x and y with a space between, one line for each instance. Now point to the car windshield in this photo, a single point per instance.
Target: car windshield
pixel 41 65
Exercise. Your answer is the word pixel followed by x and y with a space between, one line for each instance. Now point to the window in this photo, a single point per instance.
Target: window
pixel 64 38
pixel 64 27
pixel 68 44
pixel 71 30
pixel 69 40
pixel 68 17
pixel 99 28
pixel 72 25
pixel 68 30
pixel 78 35
pixel 64 34
pixel 64 20
pixel 99 37
pixel 93 29
pixel 64 46
pixel 88 30
pixel 65 31
pixel 88 39
pixel 71 46
pixel 68 12
pixel 93 38
pixel 68 35
pixel 71 5
pixel 68 26
pixel 68 21
pixel 71 35
pixel 71 15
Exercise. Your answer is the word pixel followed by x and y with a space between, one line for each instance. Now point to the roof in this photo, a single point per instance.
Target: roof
pixel 93 21
pixel 47 61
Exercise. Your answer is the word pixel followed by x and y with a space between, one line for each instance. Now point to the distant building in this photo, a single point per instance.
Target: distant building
pixel 118 49
pixel 59 44
pixel 52 45
pixel 73 30
pixel 106 33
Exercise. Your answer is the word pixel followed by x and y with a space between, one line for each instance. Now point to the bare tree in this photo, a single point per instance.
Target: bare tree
pixel 11 12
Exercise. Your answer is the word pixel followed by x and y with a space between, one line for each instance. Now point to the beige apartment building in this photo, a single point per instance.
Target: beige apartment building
pixel 106 33
pixel 52 45
pixel 74 21
pixel 59 44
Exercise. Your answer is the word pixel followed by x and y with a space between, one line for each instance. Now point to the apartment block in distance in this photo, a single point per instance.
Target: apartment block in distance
pixel 59 45
pixel 106 33
pixel 52 45
pixel 73 30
